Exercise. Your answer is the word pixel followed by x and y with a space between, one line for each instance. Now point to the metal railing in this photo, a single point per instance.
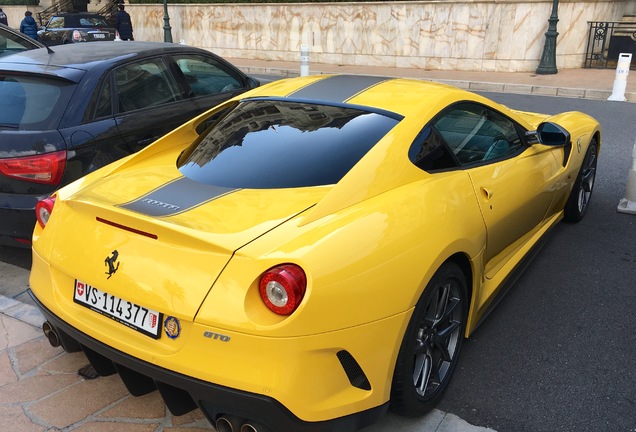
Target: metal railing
pixel 60 6
pixel 109 10
pixel 57 7
pixel 607 40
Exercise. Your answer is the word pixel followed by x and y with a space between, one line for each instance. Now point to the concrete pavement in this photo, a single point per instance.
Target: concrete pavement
pixel 40 388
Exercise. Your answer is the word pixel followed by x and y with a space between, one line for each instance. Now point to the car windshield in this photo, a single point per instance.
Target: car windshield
pixel 32 103
pixel 283 144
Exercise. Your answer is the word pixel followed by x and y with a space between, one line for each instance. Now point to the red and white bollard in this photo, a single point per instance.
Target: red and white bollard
pixel 628 204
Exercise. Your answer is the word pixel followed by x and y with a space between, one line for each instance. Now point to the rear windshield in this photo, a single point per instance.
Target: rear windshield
pixel 280 144
pixel 32 103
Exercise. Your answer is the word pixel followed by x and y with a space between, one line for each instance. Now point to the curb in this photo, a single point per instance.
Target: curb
pixel 21 311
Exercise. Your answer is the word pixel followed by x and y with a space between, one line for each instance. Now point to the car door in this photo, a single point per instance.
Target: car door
pixel 514 183
pixel 208 80
pixel 149 102
pixel 93 135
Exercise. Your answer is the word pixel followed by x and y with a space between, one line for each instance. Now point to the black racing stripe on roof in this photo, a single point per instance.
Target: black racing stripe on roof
pixel 176 196
pixel 338 88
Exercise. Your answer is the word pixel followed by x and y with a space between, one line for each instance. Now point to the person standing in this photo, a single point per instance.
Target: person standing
pixel 3 18
pixel 123 24
pixel 28 26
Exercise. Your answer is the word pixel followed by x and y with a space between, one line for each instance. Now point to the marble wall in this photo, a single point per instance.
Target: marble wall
pixel 477 35
pixel 492 35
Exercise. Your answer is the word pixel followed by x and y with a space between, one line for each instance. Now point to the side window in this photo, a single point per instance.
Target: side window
pixel 104 101
pixel 429 153
pixel 205 75
pixel 145 84
pixel 477 134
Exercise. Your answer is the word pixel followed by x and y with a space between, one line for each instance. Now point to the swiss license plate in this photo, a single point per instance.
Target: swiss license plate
pixel 99 35
pixel 132 315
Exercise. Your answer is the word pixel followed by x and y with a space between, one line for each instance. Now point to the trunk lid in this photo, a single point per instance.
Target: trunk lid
pixel 172 236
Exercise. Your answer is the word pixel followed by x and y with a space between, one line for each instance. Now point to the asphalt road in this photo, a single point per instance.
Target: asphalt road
pixel 558 353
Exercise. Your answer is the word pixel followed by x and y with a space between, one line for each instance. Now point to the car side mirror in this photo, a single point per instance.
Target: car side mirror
pixel 252 82
pixel 550 134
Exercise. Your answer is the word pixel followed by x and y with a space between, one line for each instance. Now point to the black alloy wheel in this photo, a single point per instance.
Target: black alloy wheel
pixel 430 349
pixel 579 199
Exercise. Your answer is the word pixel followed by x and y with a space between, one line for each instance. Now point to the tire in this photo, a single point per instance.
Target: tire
pixel 430 349
pixel 579 199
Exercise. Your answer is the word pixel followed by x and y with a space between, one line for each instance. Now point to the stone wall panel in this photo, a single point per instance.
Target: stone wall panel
pixel 479 35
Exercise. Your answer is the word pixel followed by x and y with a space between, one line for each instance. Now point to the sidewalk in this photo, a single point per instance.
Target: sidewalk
pixel 575 83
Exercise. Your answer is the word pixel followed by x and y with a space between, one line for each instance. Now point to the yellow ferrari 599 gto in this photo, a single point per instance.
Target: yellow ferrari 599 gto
pixel 309 254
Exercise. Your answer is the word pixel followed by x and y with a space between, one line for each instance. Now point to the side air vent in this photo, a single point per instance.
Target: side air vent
pixel 354 372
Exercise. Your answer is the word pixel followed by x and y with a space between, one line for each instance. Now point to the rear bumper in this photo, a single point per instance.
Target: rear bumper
pixel 183 393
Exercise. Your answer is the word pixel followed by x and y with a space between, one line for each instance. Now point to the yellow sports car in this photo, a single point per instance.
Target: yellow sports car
pixel 309 254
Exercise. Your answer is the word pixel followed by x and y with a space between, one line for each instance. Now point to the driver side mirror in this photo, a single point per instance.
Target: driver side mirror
pixel 550 134
pixel 252 82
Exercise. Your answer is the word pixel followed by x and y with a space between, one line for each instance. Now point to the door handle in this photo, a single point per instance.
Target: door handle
pixel 487 193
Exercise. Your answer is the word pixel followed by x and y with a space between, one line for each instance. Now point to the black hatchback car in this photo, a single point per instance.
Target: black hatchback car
pixel 66 113
pixel 69 28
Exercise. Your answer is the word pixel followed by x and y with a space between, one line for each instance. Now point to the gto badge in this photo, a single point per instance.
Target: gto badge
pixel 112 264
pixel 216 336
pixel 172 327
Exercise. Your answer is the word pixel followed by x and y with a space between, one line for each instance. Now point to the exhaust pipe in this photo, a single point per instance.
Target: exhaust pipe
pixel 228 424
pixel 253 427
pixel 51 334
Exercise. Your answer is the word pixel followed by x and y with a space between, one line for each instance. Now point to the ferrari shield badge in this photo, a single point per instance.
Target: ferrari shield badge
pixel 578 144
pixel 172 327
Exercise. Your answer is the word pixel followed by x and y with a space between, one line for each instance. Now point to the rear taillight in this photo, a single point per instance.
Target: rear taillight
pixel 45 168
pixel 43 210
pixel 282 288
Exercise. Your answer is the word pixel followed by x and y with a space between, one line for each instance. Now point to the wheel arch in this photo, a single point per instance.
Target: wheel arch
pixel 403 400
pixel 597 137
pixel 463 262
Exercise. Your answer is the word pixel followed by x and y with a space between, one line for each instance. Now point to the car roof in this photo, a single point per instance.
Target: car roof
pixel 402 96
pixel 62 60
pixel 65 14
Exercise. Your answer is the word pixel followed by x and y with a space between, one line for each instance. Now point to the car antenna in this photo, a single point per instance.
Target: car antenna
pixel 48 49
